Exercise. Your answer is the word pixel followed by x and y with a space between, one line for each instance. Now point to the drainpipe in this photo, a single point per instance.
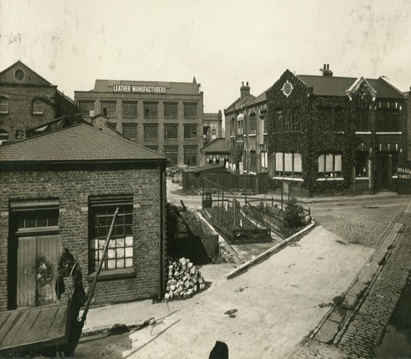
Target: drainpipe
pixel 161 291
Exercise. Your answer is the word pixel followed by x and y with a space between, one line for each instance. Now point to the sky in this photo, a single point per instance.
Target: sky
pixel 222 43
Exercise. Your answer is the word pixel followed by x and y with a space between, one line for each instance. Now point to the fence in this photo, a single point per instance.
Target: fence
pixel 230 181
pixel 226 215
pixel 269 214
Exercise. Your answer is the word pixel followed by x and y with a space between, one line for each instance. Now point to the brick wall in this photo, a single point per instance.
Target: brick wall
pixel 73 189
pixel 20 107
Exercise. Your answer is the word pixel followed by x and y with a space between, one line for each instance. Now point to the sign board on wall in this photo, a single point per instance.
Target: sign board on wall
pixel 404 179
pixel 139 89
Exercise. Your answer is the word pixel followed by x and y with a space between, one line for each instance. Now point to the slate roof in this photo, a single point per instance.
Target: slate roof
pixel 239 102
pixel 176 88
pixel 78 143
pixel 336 86
pixel 219 145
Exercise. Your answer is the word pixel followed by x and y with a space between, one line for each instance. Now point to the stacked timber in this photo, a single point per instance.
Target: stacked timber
pixel 183 280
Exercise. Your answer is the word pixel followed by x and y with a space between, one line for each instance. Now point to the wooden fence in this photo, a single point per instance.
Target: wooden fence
pixel 248 183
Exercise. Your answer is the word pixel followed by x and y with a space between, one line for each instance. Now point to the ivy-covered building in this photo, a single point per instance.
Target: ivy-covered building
pixel 335 133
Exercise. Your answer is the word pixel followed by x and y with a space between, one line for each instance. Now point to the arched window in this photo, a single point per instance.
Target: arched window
pixel 37 107
pixel 4 105
pixel 4 135
pixel 20 134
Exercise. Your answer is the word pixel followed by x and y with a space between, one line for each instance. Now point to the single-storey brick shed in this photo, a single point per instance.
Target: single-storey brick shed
pixel 61 190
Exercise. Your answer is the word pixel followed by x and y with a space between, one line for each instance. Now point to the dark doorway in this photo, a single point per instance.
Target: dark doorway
pixel 383 171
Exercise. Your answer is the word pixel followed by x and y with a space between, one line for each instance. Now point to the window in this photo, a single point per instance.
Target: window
pixel 190 110
pixel 37 220
pixel 4 105
pixel 170 131
pixel 329 165
pixel 232 127
pixel 387 121
pixel 288 164
pixel 120 249
pixel 172 155
pixel 113 125
pixel 253 126
pixel 37 107
pixel 170 109
pixel 20 134
pixel 190 131
pixel 150 109
pixel 190 156
pixel 129 109
pixel 150 132
pixel 108 109
pixel 264 159
pixel 130 131
pixel 213 132
pixel 4 135
pixel 361 164
pixel 362 123
pixel 86 108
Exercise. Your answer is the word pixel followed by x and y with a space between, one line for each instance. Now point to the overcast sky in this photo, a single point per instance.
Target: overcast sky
pixel 222 43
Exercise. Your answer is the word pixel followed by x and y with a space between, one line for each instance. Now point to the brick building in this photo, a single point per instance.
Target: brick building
pixel 323 132
pixel 212 126
pixel 246 132
pixel 61 189
pixel 336 133
pixel 27 100
pixel 166 117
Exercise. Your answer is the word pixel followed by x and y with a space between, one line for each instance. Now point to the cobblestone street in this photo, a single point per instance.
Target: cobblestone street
pixel 361 223
pixel 363 333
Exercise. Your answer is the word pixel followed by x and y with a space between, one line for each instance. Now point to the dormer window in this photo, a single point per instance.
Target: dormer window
pixel 37 107
pixel 4 105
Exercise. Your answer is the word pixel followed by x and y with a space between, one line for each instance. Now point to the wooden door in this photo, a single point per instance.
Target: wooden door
pixel 26 272
pixel 37 267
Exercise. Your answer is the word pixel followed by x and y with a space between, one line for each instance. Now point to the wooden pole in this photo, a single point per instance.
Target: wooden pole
pixel 234 210
pixel 100 265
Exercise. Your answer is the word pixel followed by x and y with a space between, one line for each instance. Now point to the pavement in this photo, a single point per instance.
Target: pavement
pixel 262 314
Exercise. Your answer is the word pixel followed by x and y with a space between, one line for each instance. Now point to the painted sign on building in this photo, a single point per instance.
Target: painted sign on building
pixel 139 89
pixel 404 179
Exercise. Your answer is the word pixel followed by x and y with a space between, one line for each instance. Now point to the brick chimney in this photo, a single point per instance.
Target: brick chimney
pixel 244 90
pixel 326 70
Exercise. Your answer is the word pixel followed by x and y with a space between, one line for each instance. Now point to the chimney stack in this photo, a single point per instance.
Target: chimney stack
pixel 244 90
pixel 326 70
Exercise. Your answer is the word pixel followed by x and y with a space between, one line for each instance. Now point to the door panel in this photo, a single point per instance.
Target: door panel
pixel 26 272
pixel 47 259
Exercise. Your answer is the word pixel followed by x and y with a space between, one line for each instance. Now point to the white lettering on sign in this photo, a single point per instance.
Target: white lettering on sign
pixel 140 89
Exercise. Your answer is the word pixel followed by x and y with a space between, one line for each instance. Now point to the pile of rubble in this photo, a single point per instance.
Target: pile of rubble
pixel 183 280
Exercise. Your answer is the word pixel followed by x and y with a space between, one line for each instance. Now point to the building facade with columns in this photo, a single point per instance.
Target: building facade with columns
pixel 166 117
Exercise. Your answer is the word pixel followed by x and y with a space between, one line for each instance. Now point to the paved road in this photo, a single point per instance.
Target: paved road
pixel 263 313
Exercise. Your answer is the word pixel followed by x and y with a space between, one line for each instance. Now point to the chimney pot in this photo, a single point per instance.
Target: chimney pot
pixel 325 67
pixel 242 83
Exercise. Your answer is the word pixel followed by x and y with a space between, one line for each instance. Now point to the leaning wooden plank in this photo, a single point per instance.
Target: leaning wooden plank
pixel 9 323
pixel 40 328
pixel 57 328
pixel 14 332
pixel 26 327
pixel 3 318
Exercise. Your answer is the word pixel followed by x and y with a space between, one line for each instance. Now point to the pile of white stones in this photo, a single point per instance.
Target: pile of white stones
pixel 183 280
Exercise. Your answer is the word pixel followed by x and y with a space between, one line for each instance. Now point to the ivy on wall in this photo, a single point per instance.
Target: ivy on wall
pixel 312 126
pixel 237 150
